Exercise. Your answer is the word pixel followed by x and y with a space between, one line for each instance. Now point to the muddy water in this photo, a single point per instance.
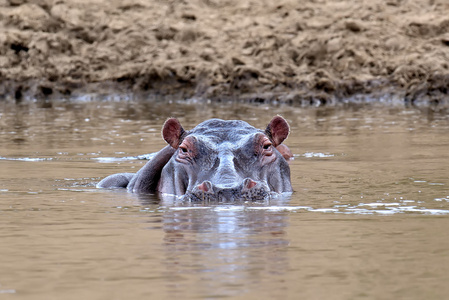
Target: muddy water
pixel 369 217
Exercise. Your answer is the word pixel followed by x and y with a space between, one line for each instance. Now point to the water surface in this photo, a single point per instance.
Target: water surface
pixel 369 217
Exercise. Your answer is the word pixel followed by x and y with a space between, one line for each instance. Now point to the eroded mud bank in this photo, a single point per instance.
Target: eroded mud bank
pixel 292 51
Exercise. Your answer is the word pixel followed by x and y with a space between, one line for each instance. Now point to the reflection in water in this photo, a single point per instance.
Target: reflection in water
pixel 227 244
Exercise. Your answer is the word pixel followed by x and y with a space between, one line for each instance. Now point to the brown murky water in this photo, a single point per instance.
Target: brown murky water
pixel 369 218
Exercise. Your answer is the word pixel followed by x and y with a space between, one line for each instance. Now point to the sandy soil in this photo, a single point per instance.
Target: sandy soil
pixel 310 51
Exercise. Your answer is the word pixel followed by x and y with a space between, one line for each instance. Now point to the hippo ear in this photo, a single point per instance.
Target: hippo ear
pixel 277 130
pixel 172 132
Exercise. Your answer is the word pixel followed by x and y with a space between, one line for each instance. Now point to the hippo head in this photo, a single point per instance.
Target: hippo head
pixel 226 160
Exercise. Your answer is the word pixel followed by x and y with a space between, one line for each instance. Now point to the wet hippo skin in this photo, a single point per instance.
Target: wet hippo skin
pixel 217 160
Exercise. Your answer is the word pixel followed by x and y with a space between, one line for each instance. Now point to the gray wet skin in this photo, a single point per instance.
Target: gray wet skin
pixel 216 161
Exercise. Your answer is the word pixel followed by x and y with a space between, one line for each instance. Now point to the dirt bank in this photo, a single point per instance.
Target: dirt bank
pixel 293 51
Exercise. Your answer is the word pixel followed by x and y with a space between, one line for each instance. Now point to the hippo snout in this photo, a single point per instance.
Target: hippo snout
pixel 249 189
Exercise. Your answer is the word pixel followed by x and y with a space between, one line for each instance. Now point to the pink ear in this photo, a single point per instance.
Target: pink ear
pixel 172 132
pixel 277 130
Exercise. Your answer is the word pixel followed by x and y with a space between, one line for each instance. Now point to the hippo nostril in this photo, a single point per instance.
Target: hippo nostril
pixel 206 186
pixel 249 183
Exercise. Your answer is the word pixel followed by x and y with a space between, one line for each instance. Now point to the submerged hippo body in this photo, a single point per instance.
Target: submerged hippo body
pixel 217 160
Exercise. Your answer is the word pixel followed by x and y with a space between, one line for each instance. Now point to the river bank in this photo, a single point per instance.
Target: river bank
pixel 310 52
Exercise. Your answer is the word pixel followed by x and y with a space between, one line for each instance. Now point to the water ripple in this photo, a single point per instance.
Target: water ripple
pixel 372 208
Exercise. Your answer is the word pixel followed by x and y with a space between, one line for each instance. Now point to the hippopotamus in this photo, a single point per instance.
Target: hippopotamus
pixel 217 160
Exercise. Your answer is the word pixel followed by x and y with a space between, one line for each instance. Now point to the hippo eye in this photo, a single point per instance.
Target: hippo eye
pixel 187 151
pixel 183 149
pixel 266 145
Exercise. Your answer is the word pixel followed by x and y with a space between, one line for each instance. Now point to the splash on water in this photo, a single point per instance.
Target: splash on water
pixel 317 154
pixel 125 158
pixel 29 159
